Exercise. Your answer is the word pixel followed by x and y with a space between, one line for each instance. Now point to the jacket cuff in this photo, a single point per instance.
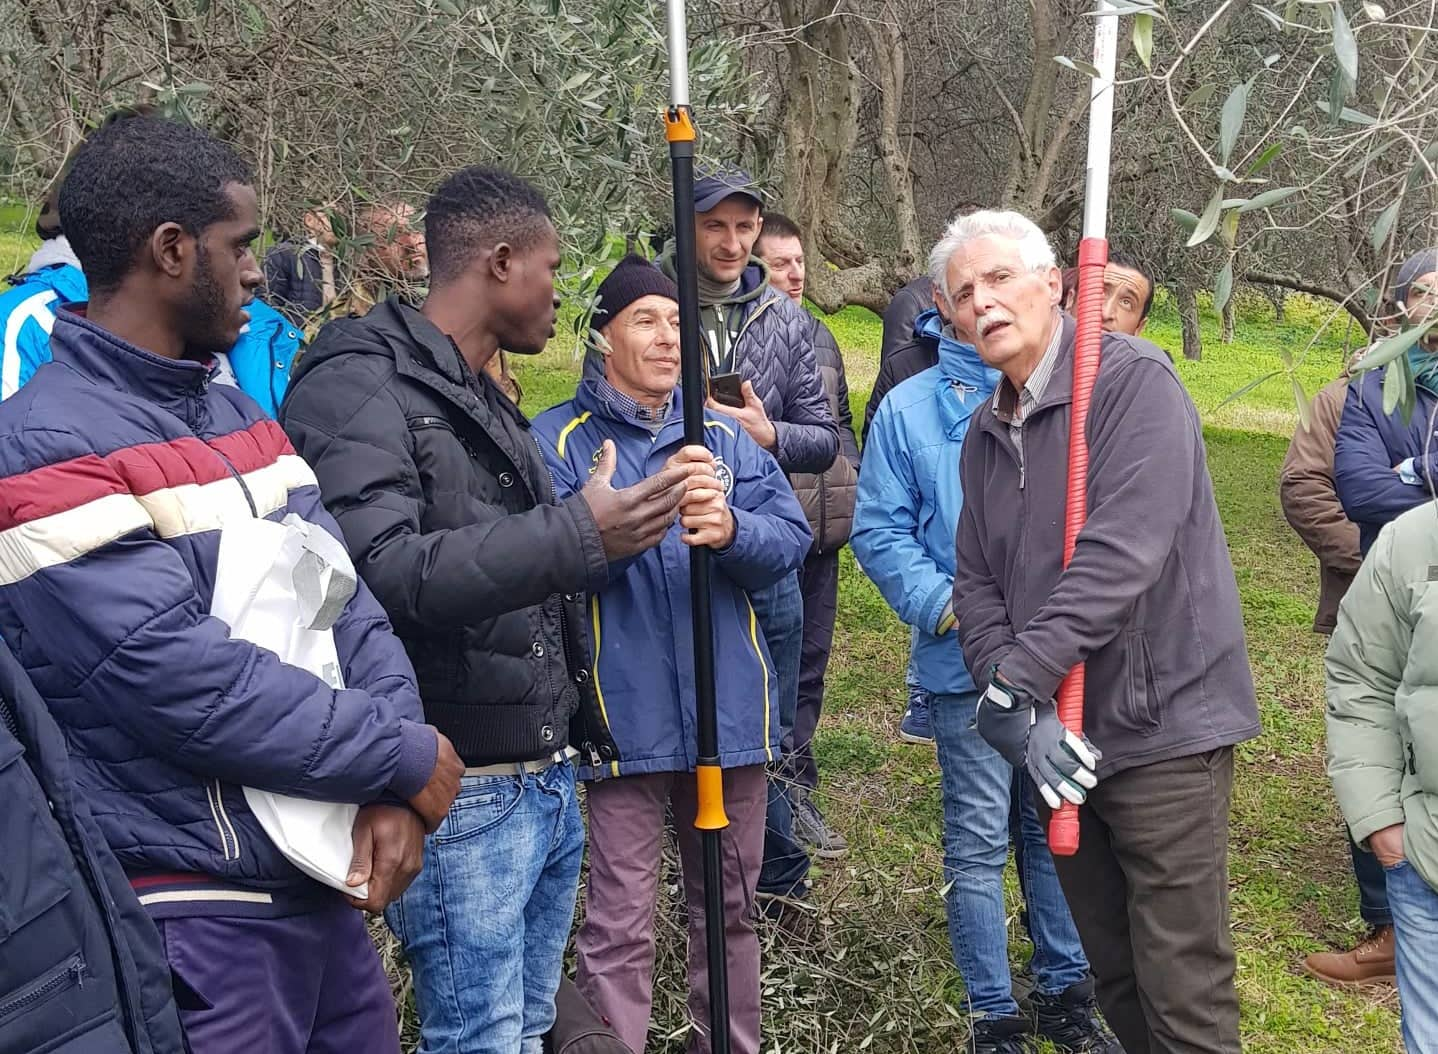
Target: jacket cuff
pixel 937 602
pixel 1374 822
pixel 591 545
pixel 418 753
pixel 1027 672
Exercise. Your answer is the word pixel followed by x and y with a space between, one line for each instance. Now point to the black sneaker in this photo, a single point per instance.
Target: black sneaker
pixel 1071 1021
pixel 1000 1035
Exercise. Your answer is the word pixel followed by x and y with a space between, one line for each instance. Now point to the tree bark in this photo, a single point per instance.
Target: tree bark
pixel 1188 317
pixel 1228 320
pixel 1348 302
pixel 890 61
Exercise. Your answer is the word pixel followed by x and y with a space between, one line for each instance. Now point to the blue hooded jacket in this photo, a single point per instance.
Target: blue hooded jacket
pixel 641 634
pixel 907 513
pixel 260 360
pixel 118 471
pixel 1370 443
pixel 27 314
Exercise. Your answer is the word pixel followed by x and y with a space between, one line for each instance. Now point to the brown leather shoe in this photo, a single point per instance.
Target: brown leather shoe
pixel 1371 962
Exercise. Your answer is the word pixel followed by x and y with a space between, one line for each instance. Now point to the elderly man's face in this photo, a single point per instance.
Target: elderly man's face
pixel 398 251
pixel 1421 305
pixel 1008 307
pixel 642 357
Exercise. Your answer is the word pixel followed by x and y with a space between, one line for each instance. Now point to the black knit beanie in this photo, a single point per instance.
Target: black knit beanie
pixel 633 277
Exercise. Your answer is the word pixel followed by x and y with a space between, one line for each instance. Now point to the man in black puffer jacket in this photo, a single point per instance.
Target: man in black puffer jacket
pixel 449 512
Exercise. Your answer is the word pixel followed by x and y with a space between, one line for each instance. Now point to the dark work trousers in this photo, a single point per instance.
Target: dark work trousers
pixel 1148 890
pixel 1372 885
pixel 819 581
pixel 780 613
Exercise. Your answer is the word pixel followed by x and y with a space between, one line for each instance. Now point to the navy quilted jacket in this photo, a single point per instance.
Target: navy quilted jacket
pixel 118 470
pixel 1370 443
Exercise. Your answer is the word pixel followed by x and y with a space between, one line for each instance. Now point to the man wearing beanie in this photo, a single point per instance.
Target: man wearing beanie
pixel 1383 464
pixel 625 423
pixel 754 330
pixel 452 520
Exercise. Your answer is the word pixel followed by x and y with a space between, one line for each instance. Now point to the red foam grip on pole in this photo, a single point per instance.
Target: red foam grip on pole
pixel 1093 256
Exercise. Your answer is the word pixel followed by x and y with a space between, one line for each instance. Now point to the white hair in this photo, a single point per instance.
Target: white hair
pixel 1034 248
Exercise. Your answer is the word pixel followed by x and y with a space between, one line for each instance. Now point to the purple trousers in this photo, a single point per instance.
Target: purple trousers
pixel 616 943
pixel 304 984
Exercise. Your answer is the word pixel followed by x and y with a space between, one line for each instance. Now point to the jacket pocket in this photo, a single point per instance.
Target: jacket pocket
pixel 37 861
pixel 1141 710
pixel 48 986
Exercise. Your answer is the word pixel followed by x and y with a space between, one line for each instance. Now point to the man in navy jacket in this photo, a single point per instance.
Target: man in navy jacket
pixel 120 466
pixel 625 424
pixel 1382 464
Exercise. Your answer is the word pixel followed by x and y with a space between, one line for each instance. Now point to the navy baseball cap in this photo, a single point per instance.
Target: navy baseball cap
pixel 713 187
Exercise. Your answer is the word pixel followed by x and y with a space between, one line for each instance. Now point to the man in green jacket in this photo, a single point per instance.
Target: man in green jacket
pixel 1382 671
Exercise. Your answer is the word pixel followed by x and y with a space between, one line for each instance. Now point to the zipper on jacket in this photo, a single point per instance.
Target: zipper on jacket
pixel 823 509
pixel 7 718
pixel 249 498
pixel 217 813
pixel 71 975
pixel 569 672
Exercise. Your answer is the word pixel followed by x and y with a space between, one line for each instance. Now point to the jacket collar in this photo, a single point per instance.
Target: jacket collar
pixel 172 384
pixel 426 354
pixel 597 396
pixel 957 361
pixel 1058 392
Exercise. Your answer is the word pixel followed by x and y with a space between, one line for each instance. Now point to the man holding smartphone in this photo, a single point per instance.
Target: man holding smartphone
pixel 756 336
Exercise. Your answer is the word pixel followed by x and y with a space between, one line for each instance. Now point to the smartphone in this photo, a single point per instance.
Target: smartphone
pixel 727 388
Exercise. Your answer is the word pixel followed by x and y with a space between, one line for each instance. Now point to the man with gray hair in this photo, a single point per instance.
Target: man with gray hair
pixel 1148 601
pixel 904 524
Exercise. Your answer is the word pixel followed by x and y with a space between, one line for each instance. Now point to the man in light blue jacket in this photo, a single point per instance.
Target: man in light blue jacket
pixel 904 526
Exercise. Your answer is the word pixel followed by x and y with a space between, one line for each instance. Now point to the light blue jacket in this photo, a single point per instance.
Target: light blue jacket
pixel 260 361
pixel 640 631
pixel 27 314
pixel 907 513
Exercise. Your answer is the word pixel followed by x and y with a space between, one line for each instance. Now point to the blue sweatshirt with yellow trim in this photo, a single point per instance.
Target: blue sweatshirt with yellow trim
pixel 640 630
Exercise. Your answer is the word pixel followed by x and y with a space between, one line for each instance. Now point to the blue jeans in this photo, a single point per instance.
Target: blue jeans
pixel 977 784
pixel 485 924
pixel 1415 927
pixel 779 611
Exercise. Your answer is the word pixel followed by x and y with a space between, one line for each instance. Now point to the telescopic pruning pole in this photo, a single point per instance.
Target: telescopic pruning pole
pixel 1093 256
pixel 710 820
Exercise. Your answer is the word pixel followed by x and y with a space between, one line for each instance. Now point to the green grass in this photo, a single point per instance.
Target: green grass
pixel 881 910
pixel 17 237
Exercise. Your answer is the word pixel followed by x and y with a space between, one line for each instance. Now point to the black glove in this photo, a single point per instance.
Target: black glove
pixel 1029 734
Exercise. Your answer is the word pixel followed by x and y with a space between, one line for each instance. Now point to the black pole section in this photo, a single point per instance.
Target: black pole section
pixel 711 819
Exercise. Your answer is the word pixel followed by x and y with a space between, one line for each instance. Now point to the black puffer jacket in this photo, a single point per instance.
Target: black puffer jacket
pixel 449 512
pixel 905 351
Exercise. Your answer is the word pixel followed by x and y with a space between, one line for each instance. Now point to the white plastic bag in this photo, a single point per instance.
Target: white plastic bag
pixel 282 586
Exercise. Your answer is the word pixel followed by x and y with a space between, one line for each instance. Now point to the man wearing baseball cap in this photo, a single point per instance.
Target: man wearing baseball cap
pixel 754 331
